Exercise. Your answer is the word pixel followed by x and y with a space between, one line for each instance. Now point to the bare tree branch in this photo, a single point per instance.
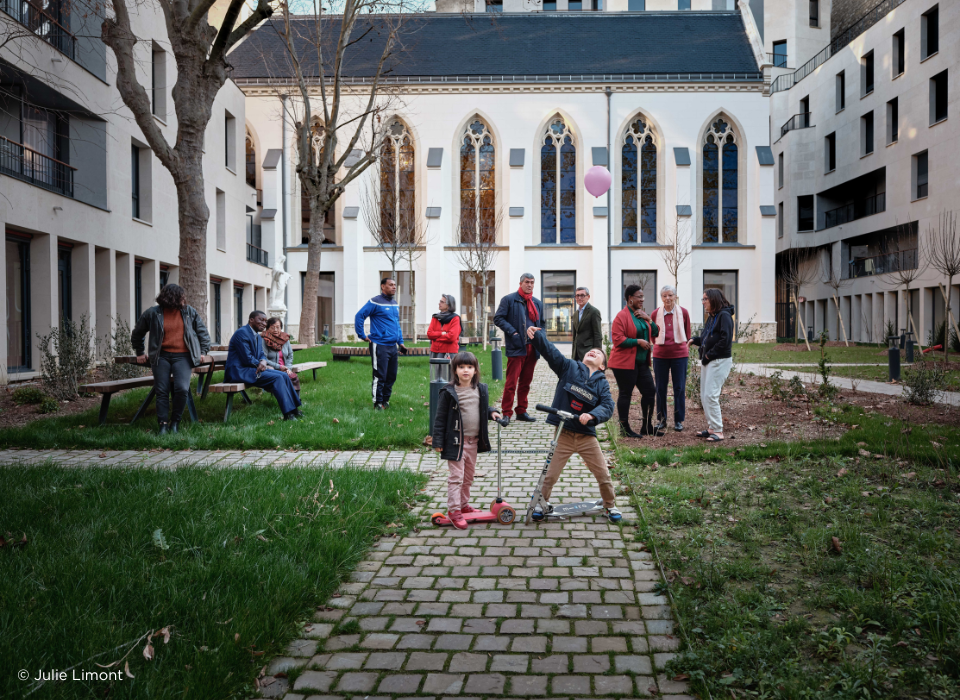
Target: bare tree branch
pixel 940 249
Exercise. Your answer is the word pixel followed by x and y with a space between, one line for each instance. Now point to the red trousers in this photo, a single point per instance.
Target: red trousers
pixel 519 377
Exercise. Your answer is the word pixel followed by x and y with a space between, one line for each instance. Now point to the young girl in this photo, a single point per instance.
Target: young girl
pixel 460 431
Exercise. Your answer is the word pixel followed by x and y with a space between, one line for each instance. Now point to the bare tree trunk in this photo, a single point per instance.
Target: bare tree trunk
pixel 843 329
pixel 413 299
pixel 949 310
pixel 796 305
pixel 193 216
pixel 307 332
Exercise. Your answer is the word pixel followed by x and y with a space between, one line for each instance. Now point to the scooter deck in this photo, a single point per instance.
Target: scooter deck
pixel 566 510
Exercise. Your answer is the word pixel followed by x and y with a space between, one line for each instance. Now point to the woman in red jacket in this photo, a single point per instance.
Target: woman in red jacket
pixel 633 334
pixel 444 330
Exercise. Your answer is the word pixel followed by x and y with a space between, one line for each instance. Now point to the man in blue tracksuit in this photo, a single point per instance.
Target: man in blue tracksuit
pixel 385 338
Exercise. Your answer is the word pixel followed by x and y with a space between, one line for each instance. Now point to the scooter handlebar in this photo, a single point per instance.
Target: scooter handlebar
pixel 504 422
pixel 547 409
pixel 563 414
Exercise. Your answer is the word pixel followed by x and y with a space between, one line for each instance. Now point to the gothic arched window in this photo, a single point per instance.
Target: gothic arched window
pixel 558 185
pixel 639 183
pixel 477 184
pixel 720 183
pixel 251 162
pixel 397 183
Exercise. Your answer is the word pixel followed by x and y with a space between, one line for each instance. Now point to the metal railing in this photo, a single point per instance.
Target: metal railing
pixel 886 262
pixel 779 60
pixel 257 255
pixel 797 121
pixel 788 80
pixel 23 163
pixel 39 21
pixel 855 210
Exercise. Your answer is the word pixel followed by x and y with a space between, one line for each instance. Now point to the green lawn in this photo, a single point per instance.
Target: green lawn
pixel 244 556
pixel 338 407
pixel 765 353
pixel 876 374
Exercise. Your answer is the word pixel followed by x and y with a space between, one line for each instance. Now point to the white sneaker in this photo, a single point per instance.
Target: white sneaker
pixel 613 515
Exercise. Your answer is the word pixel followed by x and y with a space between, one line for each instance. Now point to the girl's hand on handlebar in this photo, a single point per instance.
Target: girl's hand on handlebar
pixel 585 418
pixel 438 449
pixel 496 416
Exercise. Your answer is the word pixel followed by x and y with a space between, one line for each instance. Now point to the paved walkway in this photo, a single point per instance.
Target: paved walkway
pixel 564 610
pixel 948 398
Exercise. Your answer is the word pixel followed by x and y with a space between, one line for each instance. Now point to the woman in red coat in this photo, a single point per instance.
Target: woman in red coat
pixel 633 333
pixel 444 330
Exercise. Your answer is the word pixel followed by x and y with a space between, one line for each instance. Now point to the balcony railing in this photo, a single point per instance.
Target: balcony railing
pixel 257 255
pixel 797 121
pixel 779 60
pixel 19 161
pixel 887 262
pixel 855 210
pixel 39 21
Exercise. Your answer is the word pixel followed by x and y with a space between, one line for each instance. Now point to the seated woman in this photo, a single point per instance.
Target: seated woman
pixel 444 330
pixel 278 351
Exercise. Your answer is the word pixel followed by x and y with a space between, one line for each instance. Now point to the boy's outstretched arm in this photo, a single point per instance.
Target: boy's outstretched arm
pixel 554 357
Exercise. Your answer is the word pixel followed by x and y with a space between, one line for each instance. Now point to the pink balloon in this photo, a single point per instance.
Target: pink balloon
pixel 597 180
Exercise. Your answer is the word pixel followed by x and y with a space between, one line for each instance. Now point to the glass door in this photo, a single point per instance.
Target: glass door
pixel 557 294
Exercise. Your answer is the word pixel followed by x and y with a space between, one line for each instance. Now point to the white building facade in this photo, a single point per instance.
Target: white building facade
pixel 687 151
pixel 866 138
pixel 89 214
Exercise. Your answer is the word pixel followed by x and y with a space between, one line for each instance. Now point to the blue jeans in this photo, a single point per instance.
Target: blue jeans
pixel 662 369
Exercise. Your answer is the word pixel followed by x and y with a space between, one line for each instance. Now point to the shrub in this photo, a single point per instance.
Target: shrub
pixel 116 343
pixel 826 390
pixel 66 357
pixel 693 376
pixel 923 383
pixel 28 395
pixel 48 405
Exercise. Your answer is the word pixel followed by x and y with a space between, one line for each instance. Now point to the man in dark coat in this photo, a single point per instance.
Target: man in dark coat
pixel 518 312
pixel 247 363
pixel 587 333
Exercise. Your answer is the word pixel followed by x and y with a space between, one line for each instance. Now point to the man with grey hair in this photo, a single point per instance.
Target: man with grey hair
pixel 518 312
pixel 587 333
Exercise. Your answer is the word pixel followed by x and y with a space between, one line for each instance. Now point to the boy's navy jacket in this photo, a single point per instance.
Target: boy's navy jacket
pixel 578 391
pixel 384 314
pixel 448 426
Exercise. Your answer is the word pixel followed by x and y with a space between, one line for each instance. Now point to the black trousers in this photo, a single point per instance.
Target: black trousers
pixel 639 377
pixel 172 368
pixel 384 359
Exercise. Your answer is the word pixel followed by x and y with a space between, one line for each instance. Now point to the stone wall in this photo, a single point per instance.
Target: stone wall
pixel 846 12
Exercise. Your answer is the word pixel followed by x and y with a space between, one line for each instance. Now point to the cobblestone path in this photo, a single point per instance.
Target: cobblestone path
pixel 560 610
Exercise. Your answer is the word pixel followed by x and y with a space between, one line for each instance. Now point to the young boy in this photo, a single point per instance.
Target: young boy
pixel 582 389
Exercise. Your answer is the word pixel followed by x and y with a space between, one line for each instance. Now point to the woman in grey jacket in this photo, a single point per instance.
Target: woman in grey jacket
pixel 278 351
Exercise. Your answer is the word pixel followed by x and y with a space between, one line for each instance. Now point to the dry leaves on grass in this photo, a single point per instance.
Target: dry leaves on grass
pixel 835 543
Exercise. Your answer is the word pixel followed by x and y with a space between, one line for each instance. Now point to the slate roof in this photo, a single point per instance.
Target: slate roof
pixel 437 46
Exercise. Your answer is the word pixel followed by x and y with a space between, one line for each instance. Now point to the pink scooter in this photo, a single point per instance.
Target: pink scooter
pixel 500 511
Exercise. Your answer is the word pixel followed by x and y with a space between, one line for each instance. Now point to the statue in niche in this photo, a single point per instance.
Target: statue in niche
pixel 278 284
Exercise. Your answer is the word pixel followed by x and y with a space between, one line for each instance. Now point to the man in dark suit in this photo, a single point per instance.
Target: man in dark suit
pixel 247 363
pixel 587 333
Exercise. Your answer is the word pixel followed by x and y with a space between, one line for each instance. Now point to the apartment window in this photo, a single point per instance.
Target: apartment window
pixel 780 220
pixel 780 170
pixel 899 53
pixel 135 180
pixel 574 6
pixel 930 32
pixel 647 281
pixel 65 284
pixel 18 302
pixel 230 141
pixel 938 97
pixel 830 153
pixel 636 5
pixel 238 306
pixel 866 73
pixel 494 5
pixel 805 112
pixel 920 175
pixel 726 282
pixel 138 290
pixel 893 120
pixel 814 13
pixel 158 82
pixel 866 134
pixel 805 213
pixel 780 54
pixel 557 295
pixel 841 91
pixel 164 276
pixel 217 317
pixel 221 220
pixel 549 6
pixel 683 5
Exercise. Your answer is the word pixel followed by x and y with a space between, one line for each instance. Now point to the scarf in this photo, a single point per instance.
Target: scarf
pixel 275 338
pixel 444 317
pixel 531 307
pixel 679 333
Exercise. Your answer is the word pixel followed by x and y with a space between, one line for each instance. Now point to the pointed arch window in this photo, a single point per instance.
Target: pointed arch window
pixel 639 183
pixel 477 184
pixel 558 185
pixel 329 219
pixel 720 183
pixel 397 183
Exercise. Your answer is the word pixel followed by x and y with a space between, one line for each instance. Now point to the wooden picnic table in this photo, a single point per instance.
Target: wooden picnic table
pixel 224 348
pixel 345 352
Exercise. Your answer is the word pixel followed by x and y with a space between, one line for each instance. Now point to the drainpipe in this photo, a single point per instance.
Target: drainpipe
pixel 609 93
pixel 285 202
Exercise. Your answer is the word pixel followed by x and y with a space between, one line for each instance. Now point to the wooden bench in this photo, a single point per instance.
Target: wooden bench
pixel 232 388
pixel 108 389
pixel 343 353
